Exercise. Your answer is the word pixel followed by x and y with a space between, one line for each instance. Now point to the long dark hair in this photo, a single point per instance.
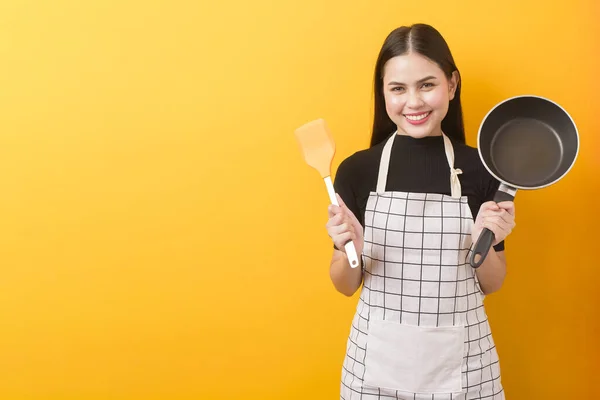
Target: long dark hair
pixel 427 41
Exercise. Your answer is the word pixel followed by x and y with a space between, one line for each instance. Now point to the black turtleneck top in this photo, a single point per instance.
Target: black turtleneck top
pixel 416 165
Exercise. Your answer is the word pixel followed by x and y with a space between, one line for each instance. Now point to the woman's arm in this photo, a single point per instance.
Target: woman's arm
pixel 500 219
pixel 343 226
pixel 346 280
pixel 492 271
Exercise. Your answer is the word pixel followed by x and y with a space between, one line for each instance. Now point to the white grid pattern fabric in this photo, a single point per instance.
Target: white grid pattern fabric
pixel 416 272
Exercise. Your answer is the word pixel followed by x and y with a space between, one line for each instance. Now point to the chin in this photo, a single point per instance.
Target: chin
pixel 416 132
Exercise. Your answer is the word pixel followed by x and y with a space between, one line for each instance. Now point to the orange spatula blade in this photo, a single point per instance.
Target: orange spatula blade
pixel 317 144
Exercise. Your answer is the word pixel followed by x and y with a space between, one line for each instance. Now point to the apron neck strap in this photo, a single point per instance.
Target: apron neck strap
pixel 455 188
pixel 384 164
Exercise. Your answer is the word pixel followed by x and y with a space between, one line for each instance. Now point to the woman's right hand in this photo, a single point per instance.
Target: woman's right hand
pixel 343 226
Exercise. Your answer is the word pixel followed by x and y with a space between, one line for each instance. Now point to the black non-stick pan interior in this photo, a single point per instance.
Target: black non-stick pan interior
pixel 528 142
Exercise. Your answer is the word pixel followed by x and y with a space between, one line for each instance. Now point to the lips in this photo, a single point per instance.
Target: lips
pixel 417 118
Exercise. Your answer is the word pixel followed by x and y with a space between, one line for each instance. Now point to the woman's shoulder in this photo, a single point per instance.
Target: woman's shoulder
pixel 358 171
pixel 474 172
pixel 361 160
pixel 468 160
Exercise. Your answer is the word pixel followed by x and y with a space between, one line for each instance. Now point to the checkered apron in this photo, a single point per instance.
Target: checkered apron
pixel 420 330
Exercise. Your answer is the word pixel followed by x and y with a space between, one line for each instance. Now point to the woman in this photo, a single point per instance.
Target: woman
pixel 408 203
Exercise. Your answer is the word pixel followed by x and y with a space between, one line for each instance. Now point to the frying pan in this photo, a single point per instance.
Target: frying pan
pixel 525 142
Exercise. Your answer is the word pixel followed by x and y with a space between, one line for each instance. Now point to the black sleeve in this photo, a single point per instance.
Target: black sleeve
pixel 345 184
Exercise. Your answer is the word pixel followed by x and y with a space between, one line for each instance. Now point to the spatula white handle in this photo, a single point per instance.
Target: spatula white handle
pixel 350 250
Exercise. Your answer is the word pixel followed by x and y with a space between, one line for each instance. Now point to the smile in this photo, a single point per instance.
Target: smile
pixel 417 118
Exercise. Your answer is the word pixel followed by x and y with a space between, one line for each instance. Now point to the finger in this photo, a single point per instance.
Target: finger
pixel 340 200
pixel 335 221
pixel 491 214
pixel 499 220
pixel 346 209
pixel 341 228
pixel 508 206
pixel 499 232
pixel 342 203
pixel 341 240
pixel 337 218
pixel 330 212
pixel 489 205
pixel 508 219
pixel 501 216
pixel 334 210
pixel 504 226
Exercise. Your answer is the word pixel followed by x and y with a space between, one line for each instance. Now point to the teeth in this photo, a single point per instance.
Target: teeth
pixel 417 117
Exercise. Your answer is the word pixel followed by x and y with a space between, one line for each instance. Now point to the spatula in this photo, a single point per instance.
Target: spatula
pixel 318 148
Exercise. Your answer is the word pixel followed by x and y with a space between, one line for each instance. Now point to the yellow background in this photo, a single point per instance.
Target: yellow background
pixel 161 237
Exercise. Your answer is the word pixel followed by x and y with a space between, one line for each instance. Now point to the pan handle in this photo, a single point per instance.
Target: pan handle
pixel 486 238
pixel 484 243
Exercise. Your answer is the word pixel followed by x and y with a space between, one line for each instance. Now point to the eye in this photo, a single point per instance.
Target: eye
pixel 428 85
pixel 397 89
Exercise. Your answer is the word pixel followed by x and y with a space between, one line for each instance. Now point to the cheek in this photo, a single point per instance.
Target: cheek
pixel 393 104
pixel 437 99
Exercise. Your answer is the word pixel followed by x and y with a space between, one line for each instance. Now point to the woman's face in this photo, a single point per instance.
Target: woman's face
pixel 417 94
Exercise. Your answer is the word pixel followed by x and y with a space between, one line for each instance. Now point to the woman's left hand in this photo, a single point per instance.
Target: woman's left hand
pixel 497 217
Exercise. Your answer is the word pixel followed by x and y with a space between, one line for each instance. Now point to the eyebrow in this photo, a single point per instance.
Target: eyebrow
pixel 419 81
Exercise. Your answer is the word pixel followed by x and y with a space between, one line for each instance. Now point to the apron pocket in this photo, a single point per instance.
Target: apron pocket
pixel 414 359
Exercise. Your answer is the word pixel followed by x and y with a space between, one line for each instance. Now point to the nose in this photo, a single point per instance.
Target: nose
pixel 414 100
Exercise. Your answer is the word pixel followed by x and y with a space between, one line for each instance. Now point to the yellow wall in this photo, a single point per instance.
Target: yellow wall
pixel 154 242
